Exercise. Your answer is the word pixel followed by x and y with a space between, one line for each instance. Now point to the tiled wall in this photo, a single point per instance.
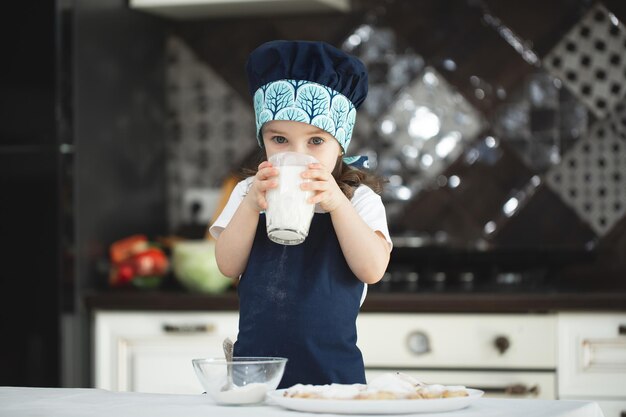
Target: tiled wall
pixel 497 123
pixel 210 127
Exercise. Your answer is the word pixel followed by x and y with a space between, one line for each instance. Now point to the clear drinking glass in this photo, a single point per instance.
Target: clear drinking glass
pixel 288 215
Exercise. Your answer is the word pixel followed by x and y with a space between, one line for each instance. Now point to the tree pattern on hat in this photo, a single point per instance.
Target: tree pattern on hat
pixel 306 102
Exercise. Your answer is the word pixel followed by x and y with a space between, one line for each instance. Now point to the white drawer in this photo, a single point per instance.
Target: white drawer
pixel 152 351
pixel 457 340
pixel 592 355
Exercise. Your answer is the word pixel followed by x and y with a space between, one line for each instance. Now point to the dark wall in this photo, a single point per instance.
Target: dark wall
pixel 119 134
pixel 119 127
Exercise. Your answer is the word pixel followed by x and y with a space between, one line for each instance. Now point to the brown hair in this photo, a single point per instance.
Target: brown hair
pixel 347 177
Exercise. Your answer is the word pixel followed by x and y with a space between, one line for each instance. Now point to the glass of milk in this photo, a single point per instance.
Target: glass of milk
pixel 288 215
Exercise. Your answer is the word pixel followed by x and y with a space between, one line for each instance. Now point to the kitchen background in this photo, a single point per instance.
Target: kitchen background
pixel 500 125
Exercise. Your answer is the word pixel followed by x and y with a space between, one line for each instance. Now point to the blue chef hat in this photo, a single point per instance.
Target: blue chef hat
pixel 310 82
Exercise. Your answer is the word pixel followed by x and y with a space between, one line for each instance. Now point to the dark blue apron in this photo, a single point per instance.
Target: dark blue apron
pixel 301 302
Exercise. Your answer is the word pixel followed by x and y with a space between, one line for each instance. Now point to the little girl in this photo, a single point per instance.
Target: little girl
pixel 301 302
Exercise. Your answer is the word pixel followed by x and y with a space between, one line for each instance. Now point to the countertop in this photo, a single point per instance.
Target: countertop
pixel 70 402
pixel 396 302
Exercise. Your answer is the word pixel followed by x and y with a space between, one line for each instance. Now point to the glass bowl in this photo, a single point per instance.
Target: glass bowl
pixel 250 378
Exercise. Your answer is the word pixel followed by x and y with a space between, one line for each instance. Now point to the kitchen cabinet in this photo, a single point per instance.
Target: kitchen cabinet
pixel 592 359
pixel 152 351
pixel 542 356
pixel 458 341
pixel 506 355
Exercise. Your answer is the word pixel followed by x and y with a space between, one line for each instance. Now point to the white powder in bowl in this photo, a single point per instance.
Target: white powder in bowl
pixel 248 394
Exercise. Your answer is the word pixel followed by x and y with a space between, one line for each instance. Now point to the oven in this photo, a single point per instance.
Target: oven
pixel 505 355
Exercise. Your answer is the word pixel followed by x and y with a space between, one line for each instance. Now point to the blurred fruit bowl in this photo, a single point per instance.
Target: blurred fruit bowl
pixel 138 262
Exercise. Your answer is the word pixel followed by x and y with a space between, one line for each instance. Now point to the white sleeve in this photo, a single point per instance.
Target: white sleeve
pixel 370 207
pixel 239 192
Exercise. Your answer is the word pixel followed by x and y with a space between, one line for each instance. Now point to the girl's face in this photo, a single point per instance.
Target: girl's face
pixel 289 136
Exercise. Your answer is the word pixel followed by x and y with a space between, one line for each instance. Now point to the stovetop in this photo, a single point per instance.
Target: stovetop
pixel 465 282
pixel 485 280
pixel 436 269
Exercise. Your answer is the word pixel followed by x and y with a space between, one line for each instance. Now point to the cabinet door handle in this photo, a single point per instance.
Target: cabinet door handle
pixel 502 344
pixel 418 343
pixel 520 389
pixel 188 328
pixel 513 390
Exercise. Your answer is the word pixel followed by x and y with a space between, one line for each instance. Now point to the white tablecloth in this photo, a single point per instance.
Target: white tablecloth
pixel 69 402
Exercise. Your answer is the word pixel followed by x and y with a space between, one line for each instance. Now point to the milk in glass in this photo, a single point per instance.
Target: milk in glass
pixel 288 215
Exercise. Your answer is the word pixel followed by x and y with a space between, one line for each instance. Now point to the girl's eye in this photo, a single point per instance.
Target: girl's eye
pixel 279 139
pixel 317 141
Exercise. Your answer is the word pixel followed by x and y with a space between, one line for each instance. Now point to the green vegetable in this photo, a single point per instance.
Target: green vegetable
pixel 195 267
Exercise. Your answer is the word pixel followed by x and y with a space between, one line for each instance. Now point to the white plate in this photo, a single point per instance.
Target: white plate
pixel 374 406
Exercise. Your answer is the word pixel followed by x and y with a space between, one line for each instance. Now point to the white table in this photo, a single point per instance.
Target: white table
pixel 69 402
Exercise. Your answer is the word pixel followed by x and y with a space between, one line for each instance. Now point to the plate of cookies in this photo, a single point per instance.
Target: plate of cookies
pixel 391 393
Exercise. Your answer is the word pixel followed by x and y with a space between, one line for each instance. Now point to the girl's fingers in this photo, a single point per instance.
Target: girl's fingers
pixel 318 197
pixel 264 164
pixel 266 172
pixel 318 174
pixel 265 185
pixel 315 186
pixel 261 202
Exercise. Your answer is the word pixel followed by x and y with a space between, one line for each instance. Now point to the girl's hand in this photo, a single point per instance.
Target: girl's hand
pixel 263 181
pixel 323 184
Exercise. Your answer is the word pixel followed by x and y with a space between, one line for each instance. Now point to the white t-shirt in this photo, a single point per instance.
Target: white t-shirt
pixel 365 201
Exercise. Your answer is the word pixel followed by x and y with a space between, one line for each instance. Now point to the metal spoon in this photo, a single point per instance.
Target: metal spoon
pixel 227 345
